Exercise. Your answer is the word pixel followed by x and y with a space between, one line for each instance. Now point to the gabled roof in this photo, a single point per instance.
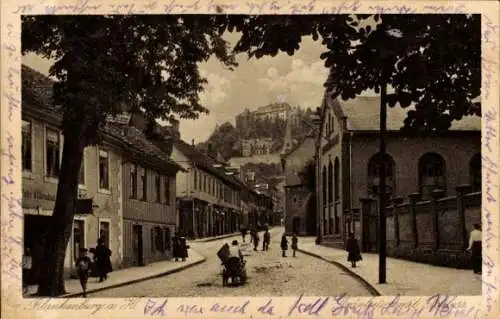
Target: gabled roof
pixel 205 162
pixel 37 88
pixel 363 112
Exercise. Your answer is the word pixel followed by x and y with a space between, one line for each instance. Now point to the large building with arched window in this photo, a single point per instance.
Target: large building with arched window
pixel 348 167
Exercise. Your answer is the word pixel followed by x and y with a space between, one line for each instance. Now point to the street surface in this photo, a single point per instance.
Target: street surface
pixel 268 274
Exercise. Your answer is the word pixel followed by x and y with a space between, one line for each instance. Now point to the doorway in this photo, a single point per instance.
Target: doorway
pixel 138 245
pixel 296 225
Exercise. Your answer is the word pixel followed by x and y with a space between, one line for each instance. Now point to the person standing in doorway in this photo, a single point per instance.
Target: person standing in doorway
pixel 475 247
pixel 354 253
pixel 295 244
pixel 284 245
pixel 27 266
pixel 83 264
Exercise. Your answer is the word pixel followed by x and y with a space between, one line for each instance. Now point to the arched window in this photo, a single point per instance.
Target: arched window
pixel 324 186
pixel 374 174
pixel 475 172
pixel 336 177
pixel 330 182
pixel 431 173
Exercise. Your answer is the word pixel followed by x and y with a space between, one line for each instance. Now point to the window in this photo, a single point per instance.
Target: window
pixel 374 175
pixel 144 181
pixel 158 187
pixel 330 182
pixel 103 169
pixel 195 183
pixel 199 182
pixel 431 172
pixel 336 173
pixel 104 232
pixel 158 243
pixel 81 175
pixel 133 181
pixel 53 152
pixel 475 172
pixel 324 186
pixel 27 145
pixel 166 189
pixel 204 183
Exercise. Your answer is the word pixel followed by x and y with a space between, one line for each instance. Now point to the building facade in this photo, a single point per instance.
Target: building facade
pixel 209 199
pixel 348 171
pixel 149 202
pixel 300 211
pixel 100 179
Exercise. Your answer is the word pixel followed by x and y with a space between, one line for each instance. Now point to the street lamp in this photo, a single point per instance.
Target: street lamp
pixel 382 266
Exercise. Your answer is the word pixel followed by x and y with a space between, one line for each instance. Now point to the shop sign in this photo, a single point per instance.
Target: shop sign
pixel 39 195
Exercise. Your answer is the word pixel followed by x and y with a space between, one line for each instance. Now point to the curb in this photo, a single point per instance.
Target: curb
pixel 134 281
pixel 374 291
pixel 205 240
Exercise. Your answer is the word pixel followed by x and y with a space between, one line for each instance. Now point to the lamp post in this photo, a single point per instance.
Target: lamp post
pixel 382 162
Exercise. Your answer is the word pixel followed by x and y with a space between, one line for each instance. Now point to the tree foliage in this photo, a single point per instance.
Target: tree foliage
pixel 108 64
pixel 432 61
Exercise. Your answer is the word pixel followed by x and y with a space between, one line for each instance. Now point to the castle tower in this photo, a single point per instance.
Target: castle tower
pixel 288 140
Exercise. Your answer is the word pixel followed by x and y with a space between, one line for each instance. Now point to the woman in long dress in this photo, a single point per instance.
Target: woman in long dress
pixel 354 253
pixel 475 247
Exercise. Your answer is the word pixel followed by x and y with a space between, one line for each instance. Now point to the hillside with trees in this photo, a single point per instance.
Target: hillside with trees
pixel 226 139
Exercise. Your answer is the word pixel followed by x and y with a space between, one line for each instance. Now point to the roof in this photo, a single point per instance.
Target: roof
pixel 205 162
pixel 38 88
pixel 363 112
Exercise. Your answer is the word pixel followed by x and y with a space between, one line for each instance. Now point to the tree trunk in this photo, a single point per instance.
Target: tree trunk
pixel 57 236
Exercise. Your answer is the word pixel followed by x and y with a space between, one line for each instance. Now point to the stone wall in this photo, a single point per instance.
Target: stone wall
pixel 434 231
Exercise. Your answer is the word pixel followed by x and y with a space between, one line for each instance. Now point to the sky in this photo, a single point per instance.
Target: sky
pixel 297 80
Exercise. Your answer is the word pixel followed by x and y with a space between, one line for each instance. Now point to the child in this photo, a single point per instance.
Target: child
pixel 284 245
pixel 83 263
pixel 352 248
pixel 295 242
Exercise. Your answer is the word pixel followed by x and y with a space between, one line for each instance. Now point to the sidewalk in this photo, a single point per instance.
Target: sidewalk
pixel 127 276
pixel 403 277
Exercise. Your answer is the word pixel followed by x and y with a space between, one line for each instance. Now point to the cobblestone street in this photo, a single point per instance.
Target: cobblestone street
pixel 268 274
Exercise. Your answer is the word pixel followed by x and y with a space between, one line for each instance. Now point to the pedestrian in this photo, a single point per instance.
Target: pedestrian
pixel 354 253
pixel 102 260
pixel 267 240
pixel 183 248
pixel 27 266
pixel 176 247
pixel 83 264
pixel 475 247
pixel 295 242
pixel 243 233
pixel 284 245
pixel 256 240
